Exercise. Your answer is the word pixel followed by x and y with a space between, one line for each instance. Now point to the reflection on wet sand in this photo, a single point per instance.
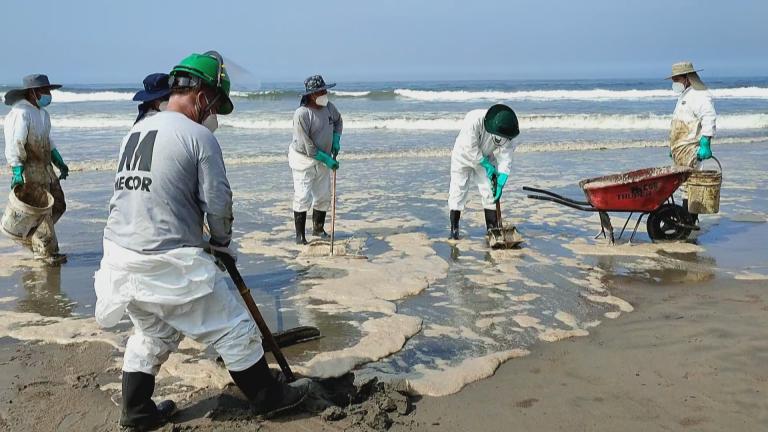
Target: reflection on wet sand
pixel 43 292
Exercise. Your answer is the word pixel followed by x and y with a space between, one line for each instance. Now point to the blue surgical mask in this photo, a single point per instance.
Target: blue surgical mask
pixel 44 101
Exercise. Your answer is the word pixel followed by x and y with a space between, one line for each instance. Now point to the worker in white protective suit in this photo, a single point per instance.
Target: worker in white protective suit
pixel 30 152
pixel 482 153
pixel 171 180
pixel 317 127
pixel 693 122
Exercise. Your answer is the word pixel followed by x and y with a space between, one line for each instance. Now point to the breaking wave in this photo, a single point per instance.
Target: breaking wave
pixel 433 122
pixel 596 94
pixel 584 95
pixel 99 96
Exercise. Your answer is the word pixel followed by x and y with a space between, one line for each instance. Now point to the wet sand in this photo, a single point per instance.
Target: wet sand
pixel 434 314
pixel 690 357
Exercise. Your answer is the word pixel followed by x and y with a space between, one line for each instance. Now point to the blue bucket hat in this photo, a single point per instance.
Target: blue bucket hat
pixel 34 81
pixel 155 87
pixel 315 84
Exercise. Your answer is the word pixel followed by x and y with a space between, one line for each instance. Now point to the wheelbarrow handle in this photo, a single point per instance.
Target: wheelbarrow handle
pixel 552 194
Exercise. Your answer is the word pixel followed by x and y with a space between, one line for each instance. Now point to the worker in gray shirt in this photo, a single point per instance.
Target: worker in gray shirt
pixel 170 176
pixel 317 127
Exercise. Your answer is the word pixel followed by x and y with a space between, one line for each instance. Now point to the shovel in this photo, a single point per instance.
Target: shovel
pixel 502 238
pixel 285 338
pixel 271 343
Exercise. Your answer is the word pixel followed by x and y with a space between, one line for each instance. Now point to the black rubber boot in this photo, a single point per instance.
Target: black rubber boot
pixel 491 221
pixel 139 412
pixel 455 216
pixel 269 396
pixel 300 220
pixel 318 224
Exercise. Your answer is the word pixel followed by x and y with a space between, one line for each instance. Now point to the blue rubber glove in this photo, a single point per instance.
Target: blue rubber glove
pixel 327 160
pixel 705 152
pixel 490 170
pixel 59 162
pixel 336 146
pixel 501 180
pixel 18 178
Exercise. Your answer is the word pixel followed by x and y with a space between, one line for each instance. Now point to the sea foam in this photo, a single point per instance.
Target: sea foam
pixel 429 122
pixel 585 95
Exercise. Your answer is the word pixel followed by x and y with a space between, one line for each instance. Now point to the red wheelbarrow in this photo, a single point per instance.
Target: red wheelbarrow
pixel 647 191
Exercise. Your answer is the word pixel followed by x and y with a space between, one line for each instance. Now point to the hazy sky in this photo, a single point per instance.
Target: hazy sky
pixel 99 41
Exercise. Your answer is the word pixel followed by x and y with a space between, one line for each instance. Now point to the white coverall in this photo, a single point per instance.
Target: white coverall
pixel 472 144
pixel 311 183
pixel 28 143
pixel 313 130
pixel 693 118
pixel 169 295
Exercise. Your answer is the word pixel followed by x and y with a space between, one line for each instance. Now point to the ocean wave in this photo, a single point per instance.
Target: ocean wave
pixel 452 122
pixel 350 93
pixel 584 95
pixel 434 122
pixel 100 96
pixel 595 94
pixel 427 153
pixel 61 96
pixel 633 121
pixel 295 94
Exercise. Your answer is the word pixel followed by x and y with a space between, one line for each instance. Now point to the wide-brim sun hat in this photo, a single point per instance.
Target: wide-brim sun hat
pixel 33 81
pixel 686 68
pixel 155 87
pixel 682 68
pixel 501 120
pixel 315 84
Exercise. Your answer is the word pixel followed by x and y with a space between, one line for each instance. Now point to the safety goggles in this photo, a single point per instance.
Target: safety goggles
pixel 498 140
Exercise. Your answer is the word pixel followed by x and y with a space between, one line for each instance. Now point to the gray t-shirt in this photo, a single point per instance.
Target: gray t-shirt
pixel 313 129
pixel 170 174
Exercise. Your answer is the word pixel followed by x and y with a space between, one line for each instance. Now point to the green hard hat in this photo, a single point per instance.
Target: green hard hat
pixel 209 67
pixel 501 120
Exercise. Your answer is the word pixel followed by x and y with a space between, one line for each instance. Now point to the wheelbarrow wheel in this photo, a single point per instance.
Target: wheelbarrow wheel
pixel 668 223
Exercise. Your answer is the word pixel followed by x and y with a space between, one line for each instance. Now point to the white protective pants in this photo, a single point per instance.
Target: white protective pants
pixel 219 319
pixel 312 188
pixel 462 179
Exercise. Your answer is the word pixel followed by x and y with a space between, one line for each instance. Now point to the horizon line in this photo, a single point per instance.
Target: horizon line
pixel 423 80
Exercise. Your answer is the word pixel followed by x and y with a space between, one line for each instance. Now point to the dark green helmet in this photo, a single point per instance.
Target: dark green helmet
pixel 501 120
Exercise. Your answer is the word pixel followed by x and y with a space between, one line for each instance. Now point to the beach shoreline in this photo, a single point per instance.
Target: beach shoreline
pixel 690 357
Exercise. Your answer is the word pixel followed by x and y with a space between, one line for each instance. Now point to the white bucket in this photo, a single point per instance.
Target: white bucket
pixel 21 219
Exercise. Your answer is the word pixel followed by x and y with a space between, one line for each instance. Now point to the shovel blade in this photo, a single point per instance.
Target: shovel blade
pixel 504 238
pixel 295 336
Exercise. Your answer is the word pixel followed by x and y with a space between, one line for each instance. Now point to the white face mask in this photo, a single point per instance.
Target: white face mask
pixel 211 122
pixel 678 87
pixel 163 106
pixel 322 100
